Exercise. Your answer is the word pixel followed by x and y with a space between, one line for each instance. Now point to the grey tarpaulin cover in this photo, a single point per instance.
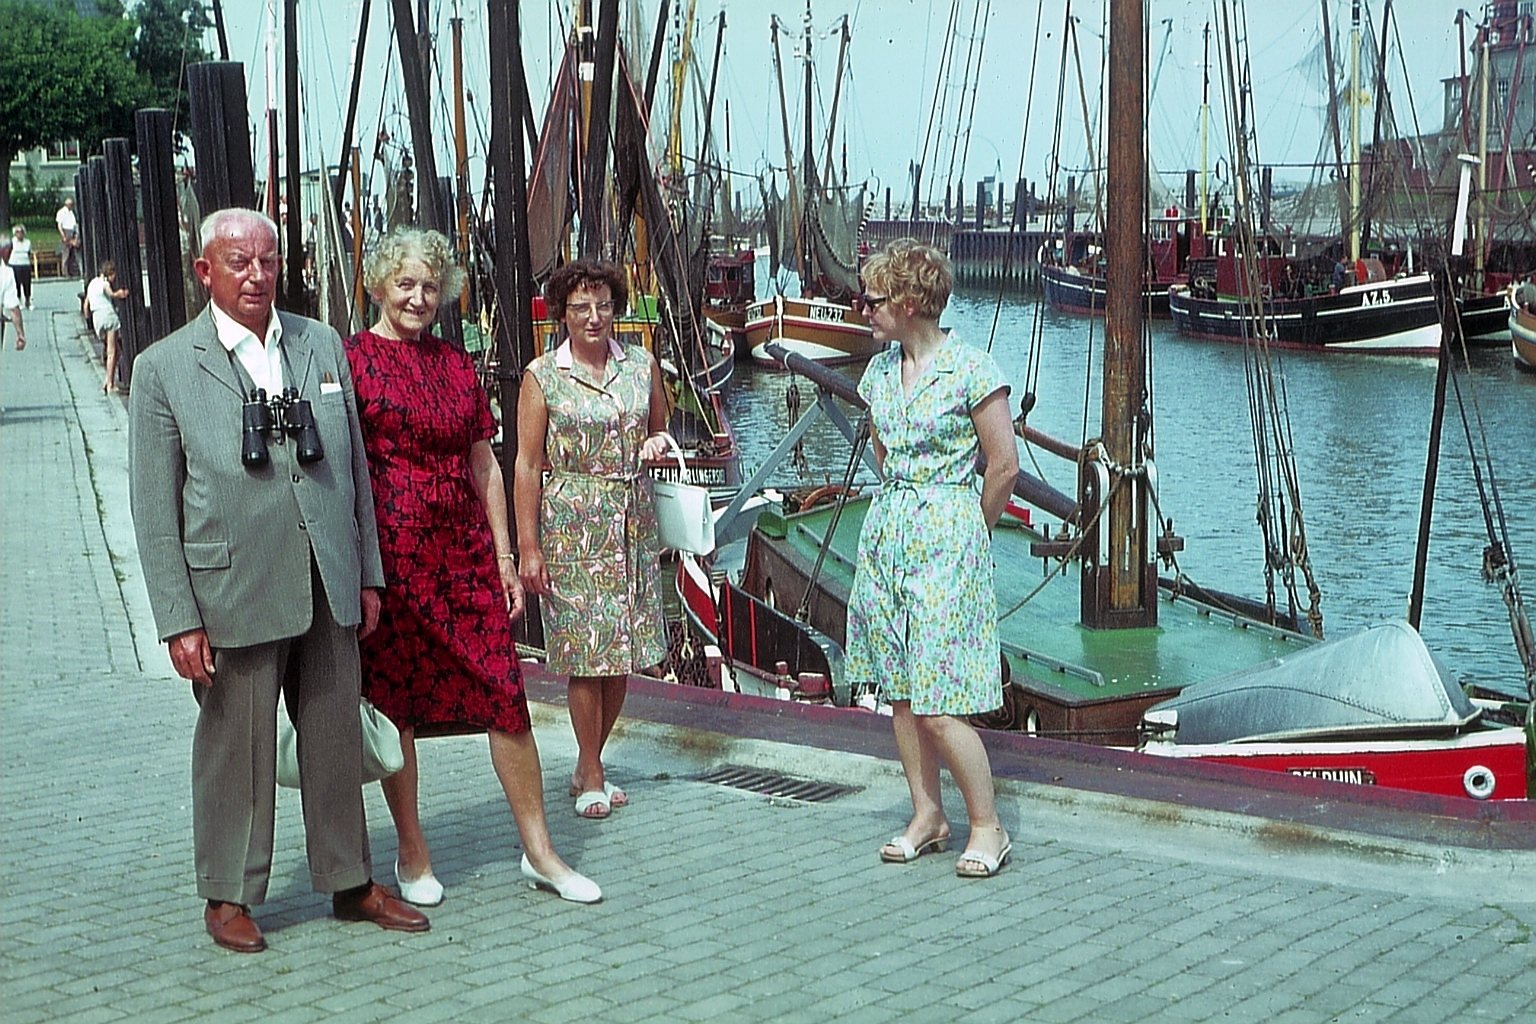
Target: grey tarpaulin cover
pixel 1380 681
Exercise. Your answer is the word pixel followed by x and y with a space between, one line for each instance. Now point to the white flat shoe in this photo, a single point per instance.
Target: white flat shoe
pixel 425 891
pixel 577 888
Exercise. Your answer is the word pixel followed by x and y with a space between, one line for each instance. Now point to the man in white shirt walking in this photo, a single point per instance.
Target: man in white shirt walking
pixel 69 239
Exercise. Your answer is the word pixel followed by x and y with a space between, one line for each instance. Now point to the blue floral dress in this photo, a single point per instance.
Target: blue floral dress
pixel 922 616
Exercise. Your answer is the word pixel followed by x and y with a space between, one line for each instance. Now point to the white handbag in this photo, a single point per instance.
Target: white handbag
pixel 382 756
pixel 684 520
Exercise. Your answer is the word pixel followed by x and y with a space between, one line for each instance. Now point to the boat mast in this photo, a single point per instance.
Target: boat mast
pixel 837 89
pixel 460 146
pixel 1354 131
pixel 1122 592
pixel 808 168
pixel 682 57
pixel 1479 253
pixel 789 153
pixel 1205 128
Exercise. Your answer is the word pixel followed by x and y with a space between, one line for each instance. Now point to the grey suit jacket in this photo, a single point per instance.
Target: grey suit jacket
pixel 225 548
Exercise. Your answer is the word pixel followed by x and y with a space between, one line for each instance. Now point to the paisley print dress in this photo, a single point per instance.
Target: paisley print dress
pixel 922 615
pixel 443 658
pixel 597 518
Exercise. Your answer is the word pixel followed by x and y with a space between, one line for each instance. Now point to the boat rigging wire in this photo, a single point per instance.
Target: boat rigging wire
pixel 861 441
pixel 1279 506
pixel 1032 363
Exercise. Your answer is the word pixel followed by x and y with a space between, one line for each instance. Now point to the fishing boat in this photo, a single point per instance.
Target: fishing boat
pixel 1522 334
pixel 1095 643
pixel 1385 314
pixel 730 286
pixel 1485 314
pixel 814 232
pixel 1176 240
pixel 1372 709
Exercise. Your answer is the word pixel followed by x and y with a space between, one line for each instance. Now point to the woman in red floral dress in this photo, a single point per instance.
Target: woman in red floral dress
pixel 443 657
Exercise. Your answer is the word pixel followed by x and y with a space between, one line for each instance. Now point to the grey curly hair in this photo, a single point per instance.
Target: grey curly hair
pixel 403 243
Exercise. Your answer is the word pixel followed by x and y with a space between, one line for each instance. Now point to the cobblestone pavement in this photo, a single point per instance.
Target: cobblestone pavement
pixel 720 905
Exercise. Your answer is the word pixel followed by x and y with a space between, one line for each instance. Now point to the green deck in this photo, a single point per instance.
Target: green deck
pixel 1044 639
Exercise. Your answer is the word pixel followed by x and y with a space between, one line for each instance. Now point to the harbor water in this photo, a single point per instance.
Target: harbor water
pixel 1360 429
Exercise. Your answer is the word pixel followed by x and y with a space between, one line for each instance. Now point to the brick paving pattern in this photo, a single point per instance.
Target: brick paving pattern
pixel 720 905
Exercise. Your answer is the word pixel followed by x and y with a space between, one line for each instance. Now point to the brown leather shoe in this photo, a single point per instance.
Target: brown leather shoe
pixel 378 904
pixel 231 926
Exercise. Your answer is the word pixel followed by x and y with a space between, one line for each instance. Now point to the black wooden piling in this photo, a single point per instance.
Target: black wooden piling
pixel 221 137
pixel 162 230
pixel 122 248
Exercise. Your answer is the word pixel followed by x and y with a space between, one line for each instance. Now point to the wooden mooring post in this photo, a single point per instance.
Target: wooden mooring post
pixel 162 229
pixel 122 248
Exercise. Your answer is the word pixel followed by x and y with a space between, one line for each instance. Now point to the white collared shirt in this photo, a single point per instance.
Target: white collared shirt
pixel 263 362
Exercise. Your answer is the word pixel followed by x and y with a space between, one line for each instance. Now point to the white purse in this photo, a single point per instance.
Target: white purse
pixel 684 520
pixel 382 756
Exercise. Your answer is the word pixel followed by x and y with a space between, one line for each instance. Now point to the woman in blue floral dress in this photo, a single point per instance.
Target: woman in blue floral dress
pixel 922 617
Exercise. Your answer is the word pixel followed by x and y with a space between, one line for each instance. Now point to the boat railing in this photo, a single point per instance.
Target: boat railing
pixel 1088 675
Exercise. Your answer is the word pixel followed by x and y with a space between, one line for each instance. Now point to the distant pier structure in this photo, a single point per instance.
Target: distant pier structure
pixel 993 242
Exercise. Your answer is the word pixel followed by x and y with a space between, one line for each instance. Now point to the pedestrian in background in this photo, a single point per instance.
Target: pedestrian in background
pixel 922 614
pixel 261 560
pixel 69 239
pixel 443 656
pixel 21 261
pixel 104 320
pixel 10 306
pixel 592 411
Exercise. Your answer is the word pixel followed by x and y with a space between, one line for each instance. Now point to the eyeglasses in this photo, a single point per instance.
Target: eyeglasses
pixel 586 308
pixel 869 303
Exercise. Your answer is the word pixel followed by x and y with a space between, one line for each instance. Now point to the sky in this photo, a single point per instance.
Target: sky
pixel 886 121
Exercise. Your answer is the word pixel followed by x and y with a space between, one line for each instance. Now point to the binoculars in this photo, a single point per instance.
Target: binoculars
pixel 285 414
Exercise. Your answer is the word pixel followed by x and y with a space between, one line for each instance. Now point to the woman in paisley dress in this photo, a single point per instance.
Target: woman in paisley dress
pixel 589 414
pixel 922 615
pixel 443 658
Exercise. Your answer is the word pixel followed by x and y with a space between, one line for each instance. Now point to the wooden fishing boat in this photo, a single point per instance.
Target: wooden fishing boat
pixel 1485 315
pixel 730 286
pixel 1522 334
pixel 828 332
pixel 813 232
pixel 1372 709
pixel 1386 315
pixel 1176 238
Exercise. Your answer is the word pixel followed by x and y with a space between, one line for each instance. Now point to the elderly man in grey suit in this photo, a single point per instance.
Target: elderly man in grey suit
pixel 261 573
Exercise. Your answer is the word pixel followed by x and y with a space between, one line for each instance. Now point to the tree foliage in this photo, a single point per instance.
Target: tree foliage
pixel 170 36
pixel 65 77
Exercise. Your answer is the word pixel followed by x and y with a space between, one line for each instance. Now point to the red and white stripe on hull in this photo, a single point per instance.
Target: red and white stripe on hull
pixel 1485 765
pixel 827 332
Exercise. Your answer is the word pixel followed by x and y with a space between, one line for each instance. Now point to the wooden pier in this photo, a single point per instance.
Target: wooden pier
pixel 992 255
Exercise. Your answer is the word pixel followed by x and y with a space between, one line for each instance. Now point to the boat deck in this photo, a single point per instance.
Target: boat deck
pixel 1092 684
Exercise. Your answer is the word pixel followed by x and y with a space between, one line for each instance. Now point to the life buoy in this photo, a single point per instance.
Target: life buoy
pixel 821 495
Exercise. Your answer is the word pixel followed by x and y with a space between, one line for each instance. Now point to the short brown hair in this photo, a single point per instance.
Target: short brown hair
pixel 589 274
pixel 909 271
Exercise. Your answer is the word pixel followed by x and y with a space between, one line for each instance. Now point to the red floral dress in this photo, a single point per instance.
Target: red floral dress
pixel 443 655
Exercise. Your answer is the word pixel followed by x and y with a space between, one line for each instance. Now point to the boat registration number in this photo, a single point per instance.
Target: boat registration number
pixel 828 313
pixel 1356 776
pixel 1381 298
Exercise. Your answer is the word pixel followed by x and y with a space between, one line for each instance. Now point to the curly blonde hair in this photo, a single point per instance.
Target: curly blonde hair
pixel 403 243
pixel 906 270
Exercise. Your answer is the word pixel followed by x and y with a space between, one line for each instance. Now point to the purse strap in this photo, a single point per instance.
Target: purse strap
pixel 677 450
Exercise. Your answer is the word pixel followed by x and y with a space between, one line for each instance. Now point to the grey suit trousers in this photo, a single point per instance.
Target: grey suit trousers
pixel 234 760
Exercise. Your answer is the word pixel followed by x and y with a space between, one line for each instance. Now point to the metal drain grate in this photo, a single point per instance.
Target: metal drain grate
pixel 775 785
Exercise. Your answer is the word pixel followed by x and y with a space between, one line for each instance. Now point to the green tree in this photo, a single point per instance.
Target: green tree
pixel 65 77
pixel 170 36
